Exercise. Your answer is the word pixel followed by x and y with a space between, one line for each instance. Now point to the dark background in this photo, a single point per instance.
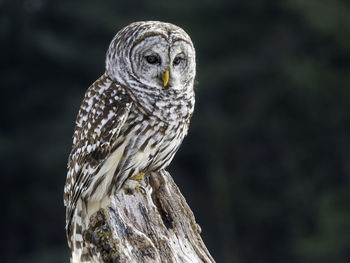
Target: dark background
pixel 265 166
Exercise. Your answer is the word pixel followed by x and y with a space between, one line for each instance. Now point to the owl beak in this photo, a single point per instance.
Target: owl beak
pixel 165 77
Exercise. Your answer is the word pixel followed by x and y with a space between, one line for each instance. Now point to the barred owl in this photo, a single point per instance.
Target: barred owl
pixel 132 120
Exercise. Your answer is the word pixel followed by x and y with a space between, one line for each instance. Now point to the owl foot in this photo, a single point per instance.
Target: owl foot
pixel 138 177
pixel 139 181
pixel 142 178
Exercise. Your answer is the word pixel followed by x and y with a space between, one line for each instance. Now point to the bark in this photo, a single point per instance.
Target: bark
pixel 148 224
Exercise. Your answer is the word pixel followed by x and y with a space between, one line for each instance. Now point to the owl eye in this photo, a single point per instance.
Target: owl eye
pixel 177 60
pixel 152 59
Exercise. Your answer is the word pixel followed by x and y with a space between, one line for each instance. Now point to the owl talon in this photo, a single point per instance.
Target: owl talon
pixel 142 181
pixel 146 179
pixel 141 188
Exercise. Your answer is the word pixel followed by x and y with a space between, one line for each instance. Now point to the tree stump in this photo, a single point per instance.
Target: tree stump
pixel 147 224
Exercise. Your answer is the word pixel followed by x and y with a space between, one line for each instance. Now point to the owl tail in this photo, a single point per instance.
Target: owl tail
pixel 75 234
pixel 80 250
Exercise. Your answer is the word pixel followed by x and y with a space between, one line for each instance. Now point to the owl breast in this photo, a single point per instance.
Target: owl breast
pixel 152 143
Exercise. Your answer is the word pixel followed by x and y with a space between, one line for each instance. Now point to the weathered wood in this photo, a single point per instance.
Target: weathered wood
pixel 148 224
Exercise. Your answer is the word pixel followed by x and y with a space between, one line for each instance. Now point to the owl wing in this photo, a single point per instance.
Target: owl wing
pixel 102 114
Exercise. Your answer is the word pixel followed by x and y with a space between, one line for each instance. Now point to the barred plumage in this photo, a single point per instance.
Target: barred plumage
pixel 132 119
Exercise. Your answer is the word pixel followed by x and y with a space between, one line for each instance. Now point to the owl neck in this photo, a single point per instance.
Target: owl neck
pixel 166 105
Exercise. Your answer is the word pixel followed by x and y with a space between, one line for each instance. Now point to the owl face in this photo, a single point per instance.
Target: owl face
pixel 161 63
pixel 152 56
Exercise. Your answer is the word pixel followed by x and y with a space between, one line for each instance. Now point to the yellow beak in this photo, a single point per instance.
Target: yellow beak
pixel 165 77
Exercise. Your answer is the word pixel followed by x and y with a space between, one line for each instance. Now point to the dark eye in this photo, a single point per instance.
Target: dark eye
pixel 152 59
pixel 177 60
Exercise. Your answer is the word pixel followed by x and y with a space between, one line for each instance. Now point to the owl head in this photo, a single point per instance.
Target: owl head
pixel 153 57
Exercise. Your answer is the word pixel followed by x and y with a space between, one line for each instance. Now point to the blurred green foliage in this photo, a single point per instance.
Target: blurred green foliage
pixel 265 166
